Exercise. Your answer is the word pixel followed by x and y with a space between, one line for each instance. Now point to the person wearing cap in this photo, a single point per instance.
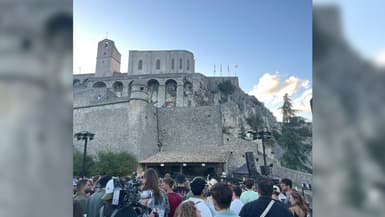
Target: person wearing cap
pixel 249 195
pixel 197 186
pixel 222 196
pixel 95 202
pixel 275 195
pixel 110 210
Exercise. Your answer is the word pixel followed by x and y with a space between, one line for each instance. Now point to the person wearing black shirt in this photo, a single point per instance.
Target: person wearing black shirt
pixel 257 207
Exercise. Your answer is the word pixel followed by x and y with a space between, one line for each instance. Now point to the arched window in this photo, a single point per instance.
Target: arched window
pixel 180 63
pixel 118 88
pixel 140 65
pixel 99 84
pixel 188 64
pixel 157 64
pixel 172 64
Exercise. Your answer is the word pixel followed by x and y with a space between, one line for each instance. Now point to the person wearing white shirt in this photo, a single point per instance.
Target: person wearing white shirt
pixel 197 186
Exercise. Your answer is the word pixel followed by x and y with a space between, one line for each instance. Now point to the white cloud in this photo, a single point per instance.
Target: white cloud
pixel 272 87
pixel 379 59
pixel 302 103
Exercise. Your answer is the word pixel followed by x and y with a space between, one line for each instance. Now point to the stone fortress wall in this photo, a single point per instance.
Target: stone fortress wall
pixel 182 110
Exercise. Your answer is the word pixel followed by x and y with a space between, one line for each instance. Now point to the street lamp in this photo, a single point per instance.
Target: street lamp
pixel 84 135
pixel 160 145
pixel 263 135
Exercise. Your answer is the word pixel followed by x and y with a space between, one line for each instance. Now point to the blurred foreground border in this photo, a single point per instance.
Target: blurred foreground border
pixel 36 107
pixel 348 123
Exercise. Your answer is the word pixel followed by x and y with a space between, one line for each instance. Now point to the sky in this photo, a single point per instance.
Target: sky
pixel 269 41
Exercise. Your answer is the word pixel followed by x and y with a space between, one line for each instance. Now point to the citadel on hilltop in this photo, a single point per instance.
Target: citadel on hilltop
pixel 166 114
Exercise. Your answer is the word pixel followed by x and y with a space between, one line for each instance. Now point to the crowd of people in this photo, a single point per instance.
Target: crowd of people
pixel 177 197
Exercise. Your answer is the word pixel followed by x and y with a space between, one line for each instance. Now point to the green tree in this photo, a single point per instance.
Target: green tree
pixel 287 109
pixel 78 163
pixel 116 164
pixel 292 140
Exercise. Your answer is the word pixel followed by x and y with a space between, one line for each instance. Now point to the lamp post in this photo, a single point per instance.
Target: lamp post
pixel 160 145
pixel 263 135
pixel 84 135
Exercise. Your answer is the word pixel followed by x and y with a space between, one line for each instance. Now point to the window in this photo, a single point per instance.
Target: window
pixel 180 63
pixel 157 64
pixel 140 65
pixel 106 44
pixel 188 64
pixel 172 64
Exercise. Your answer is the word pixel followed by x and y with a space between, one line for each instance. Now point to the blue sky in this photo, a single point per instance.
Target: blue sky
pixel 266 39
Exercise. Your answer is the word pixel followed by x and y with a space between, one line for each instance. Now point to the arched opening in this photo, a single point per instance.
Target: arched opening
pixel 187 94
pixel 180 63
pixel 129 89
pixel 158 64
pixel 99 84
pixel 140 65
pixel 171 87
pixel 153 89
pixel 76 83
pixel 118 88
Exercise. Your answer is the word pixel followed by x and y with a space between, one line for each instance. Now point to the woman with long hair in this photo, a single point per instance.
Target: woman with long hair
pixel 298 206
pixel 187 209
pixel 152 196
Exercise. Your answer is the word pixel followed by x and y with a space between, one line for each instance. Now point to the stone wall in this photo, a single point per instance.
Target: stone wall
pixel 296 176
pixel 183 129
pixel 125 126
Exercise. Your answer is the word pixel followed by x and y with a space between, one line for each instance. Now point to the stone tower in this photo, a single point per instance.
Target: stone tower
pixel 107 59
pixel 142 122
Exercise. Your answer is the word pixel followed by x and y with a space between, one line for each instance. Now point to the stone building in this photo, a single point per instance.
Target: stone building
pixel 165 113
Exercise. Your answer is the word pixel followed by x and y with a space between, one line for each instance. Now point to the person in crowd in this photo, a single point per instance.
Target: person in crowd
pixel 77 209
pixel 95 202
pixel 110 210
pixel 82 188
pixel 298 206
pixel 236 204
pixel 173 198
pixel 180 187
pixel 91 188
pixel 74 184
pixel 207 195
pixel 275 196
pixel 222 195
pixel 286 186
pixel 249 195
pixel 197 187
pixel 155 198
pixel 187 209
pixel 264 204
